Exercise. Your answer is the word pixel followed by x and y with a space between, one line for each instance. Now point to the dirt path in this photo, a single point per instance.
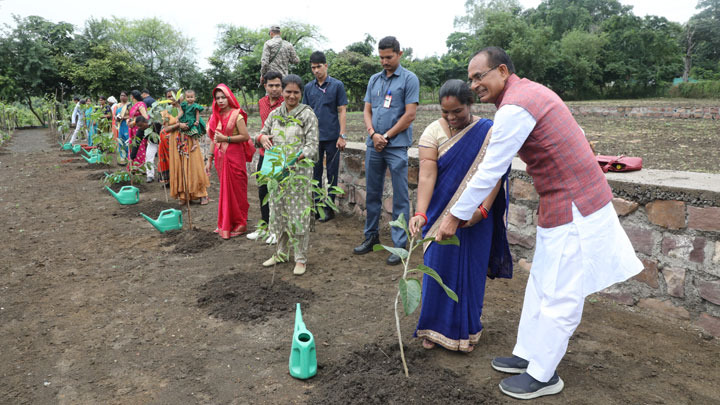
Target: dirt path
pixel 97 307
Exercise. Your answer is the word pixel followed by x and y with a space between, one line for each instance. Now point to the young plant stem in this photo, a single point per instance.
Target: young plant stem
pixel 397 325
pixel 406 263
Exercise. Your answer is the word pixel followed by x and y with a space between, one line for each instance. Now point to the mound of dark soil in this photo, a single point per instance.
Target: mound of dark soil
pixel 374 375
pixel 94 166
pixel 99 175
pixel 191 240
pixel 249 297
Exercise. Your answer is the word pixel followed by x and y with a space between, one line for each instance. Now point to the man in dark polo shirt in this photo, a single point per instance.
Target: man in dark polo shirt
pixel 326 95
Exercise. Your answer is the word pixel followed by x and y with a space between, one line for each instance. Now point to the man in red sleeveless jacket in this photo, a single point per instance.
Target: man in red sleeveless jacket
pixel 581 247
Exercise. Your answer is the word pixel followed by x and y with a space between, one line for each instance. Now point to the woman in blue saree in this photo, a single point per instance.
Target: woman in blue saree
pixel 451 150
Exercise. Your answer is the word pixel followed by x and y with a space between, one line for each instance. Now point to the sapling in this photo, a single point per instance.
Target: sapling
pixel 409 289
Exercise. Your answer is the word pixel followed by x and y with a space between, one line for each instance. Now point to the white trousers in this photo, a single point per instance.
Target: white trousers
pixel 150 152
pixel 78 128
pixel 550 315
pixel 571 261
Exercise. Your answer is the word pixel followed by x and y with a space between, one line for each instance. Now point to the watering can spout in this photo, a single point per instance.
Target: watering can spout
pixel 299 324
pixel 303 359
pixel 152 221
pixel 114 194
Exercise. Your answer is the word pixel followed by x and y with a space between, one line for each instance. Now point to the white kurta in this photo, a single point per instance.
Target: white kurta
pixel 571 261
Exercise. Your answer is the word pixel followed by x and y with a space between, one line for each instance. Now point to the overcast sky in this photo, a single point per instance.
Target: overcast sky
pixel 423 28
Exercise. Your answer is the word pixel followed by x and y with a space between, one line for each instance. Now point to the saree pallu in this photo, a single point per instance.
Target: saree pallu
pixel 185 156
pixel 231 167
pixel 483 251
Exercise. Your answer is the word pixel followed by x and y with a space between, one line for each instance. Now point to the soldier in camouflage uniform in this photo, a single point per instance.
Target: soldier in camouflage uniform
pixel 277 54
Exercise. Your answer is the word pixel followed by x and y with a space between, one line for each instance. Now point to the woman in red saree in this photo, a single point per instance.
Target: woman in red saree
pixel 228 131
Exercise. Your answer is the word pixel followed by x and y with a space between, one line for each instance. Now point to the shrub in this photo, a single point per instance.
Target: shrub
pixel 701 89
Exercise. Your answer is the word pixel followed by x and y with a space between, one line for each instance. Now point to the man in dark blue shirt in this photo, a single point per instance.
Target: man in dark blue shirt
pixel 326 95
pixel 391 101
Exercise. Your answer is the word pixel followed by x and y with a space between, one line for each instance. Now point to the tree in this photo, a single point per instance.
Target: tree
pixel 703 41
pixel 165 54
pixel 29 59
pixel 354 70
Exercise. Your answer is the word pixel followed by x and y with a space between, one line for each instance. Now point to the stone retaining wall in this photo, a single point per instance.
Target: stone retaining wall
pixel 672 219
pixel 713 113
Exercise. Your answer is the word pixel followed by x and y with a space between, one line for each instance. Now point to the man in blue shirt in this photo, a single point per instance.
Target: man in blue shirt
pixel 391 101
pixel 326 95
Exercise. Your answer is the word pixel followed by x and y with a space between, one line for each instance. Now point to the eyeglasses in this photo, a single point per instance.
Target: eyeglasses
pixel 479 77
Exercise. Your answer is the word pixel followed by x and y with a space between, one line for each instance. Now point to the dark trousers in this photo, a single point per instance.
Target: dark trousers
pixel 262 192
pixel 329 151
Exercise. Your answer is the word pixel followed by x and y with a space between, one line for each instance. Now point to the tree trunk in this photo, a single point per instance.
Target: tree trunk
pixel 687 58
pixel 29 102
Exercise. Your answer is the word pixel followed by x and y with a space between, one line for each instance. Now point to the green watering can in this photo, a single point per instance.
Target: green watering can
pixel 303 361
pixel 93 152
pixel 76 148
pixel 126 195
pixel 168 220
pixel 95 159
pixel 66 146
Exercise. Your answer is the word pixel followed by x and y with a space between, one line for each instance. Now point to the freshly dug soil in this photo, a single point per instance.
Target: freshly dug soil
pixel 374 375
pixel 250 297
pixel 191 240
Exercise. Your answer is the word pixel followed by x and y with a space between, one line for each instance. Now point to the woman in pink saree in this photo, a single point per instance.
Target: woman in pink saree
pixel 138 109
pixel 227 129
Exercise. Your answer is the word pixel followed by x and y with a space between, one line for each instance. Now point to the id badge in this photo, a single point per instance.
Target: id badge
pixel 388 99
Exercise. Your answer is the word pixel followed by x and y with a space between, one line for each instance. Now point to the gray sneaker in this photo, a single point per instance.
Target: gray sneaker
pixel 524 386
pixel 512 365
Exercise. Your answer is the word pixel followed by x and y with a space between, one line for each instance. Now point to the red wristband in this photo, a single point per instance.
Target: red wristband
pixel 483 212
pixel 420 214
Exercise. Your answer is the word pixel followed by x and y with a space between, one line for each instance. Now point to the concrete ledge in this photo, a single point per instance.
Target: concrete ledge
pixel 672 219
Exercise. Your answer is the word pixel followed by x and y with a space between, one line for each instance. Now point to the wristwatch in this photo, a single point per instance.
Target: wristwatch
pixel 386 137
pixel 343 136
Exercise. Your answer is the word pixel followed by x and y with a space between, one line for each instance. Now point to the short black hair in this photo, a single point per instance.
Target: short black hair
pixel 124 92
pixel 459 89
pixel 189 91
pixel 317 57
pixel 496 56
pixel 293 79
pixel 139 119
pixel 146 91
pixel 171 89
pixel 82 101
pixel 272 75
pixel 389 43
pixel 102 98
pixel 136 95
pixel 76 98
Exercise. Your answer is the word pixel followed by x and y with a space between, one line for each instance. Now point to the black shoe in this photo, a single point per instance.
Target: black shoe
pixel 524 386
pixel 328 216
pixel 393 260
pixel 367 245
pixel 513 365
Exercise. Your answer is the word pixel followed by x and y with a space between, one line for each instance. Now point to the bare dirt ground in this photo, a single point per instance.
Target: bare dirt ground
pixel 97 307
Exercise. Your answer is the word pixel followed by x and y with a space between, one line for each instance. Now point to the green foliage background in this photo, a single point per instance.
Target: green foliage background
pixel 582 49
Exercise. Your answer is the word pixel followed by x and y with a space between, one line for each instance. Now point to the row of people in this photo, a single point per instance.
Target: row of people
pixel 463 190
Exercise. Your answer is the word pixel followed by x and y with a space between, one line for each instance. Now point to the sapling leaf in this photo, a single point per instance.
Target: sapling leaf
pixel 399 222
pixel 432 273
pixel 402 253
pixel 452 241
pixel 411 300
